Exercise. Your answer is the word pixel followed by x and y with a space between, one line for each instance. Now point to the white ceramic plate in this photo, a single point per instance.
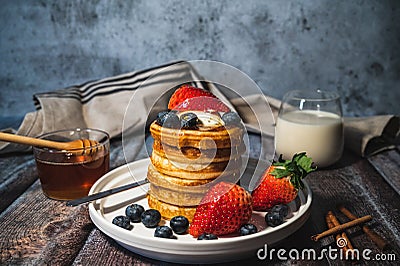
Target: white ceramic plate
pixel 185 248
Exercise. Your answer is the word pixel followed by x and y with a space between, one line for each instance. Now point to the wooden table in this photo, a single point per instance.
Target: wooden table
pixel 38 231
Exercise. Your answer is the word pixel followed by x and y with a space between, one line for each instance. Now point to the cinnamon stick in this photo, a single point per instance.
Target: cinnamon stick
pixel 342 227
pixel 377 239
pixel 330 224
pixel 349 245
pixel 335 222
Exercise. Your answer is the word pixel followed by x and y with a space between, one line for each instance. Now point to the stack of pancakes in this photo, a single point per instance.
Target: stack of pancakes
pixel 187 162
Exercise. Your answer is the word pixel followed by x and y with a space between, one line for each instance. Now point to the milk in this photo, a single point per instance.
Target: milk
pixel 318 133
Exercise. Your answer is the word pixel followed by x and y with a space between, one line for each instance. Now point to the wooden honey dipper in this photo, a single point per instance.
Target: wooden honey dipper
pixel 83 146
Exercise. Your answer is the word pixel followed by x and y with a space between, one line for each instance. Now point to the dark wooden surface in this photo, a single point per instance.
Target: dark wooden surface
pixel 38 231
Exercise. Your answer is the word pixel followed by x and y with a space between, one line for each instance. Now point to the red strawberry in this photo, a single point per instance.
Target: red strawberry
pixel 281 182
pixel 185 92
pixel 224 208
pixel 203 103
pixel 190 98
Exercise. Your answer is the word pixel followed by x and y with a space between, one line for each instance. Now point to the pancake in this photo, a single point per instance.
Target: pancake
pixel 197 172
pixel 168 211
pixel 201 138
pixel 175 183
pixel 182 198
pixel 190 165
pixel 184 154
pixel 179 191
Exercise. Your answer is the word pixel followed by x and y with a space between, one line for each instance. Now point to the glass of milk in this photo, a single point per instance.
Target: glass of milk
pixel 312 122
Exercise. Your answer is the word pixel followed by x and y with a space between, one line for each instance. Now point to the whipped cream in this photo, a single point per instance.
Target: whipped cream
pixel 208 119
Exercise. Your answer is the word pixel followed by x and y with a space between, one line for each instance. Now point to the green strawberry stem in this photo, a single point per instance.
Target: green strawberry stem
pixel 296 169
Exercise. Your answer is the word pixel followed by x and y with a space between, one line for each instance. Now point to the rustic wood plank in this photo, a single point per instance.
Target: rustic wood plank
pixel 355 184
pixel 388 165
pixel 384 202
pixel 100 249
pixel 17 173
pixel 37 230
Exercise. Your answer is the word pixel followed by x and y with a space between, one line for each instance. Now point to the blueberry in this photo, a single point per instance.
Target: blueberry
pixel 207 236
pixel 134 212
pixel 273 219
pixel 163 231
pixel 179 224
pixel 189 120
pixel 122 221
pixel 168 119
pixel 160 117
pixel 282 209
pixel 247 229
pixel 151 218
pixel 231 118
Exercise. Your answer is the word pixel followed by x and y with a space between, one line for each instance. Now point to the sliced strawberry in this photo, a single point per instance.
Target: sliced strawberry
pixel 224 208
pixel 203 103
pixel 281 182
pixel 186 92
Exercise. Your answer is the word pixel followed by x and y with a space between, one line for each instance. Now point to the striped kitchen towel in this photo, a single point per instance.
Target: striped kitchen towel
pixel 120 104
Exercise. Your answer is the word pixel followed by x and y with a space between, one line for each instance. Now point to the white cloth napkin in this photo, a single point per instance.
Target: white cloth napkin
pixel 127 103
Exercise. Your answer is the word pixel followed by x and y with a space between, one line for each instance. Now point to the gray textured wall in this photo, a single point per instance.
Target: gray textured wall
pixel 350 46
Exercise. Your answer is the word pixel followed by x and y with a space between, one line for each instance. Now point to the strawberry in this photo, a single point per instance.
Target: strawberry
pixel 281 182
pixel 223 210
pixel 186 92
pixel 187 98
pixel 203 103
